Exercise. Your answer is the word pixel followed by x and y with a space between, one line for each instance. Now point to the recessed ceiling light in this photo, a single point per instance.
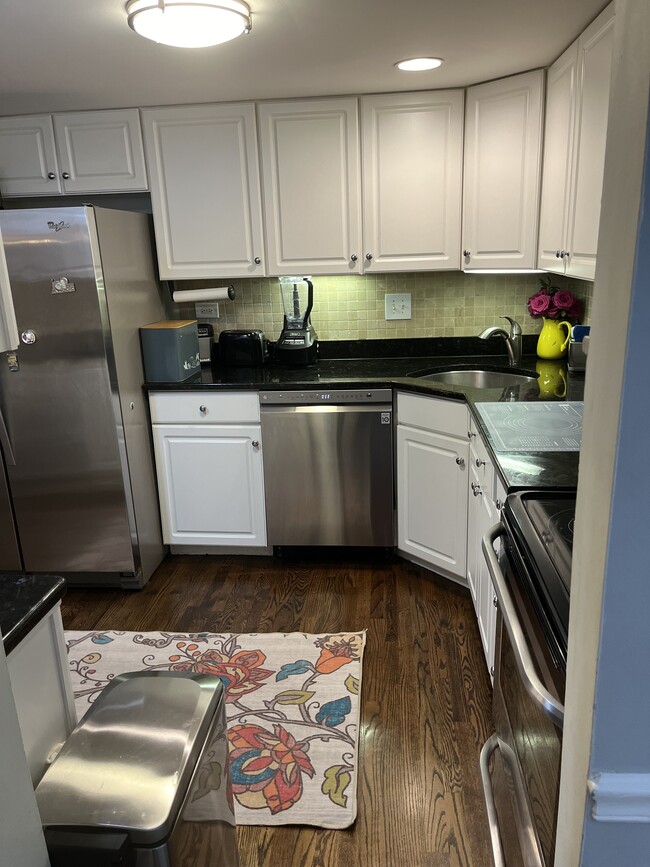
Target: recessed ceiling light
pixel 419 64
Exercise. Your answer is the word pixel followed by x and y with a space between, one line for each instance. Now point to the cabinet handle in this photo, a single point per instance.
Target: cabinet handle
pixel 255 444
pixel 369 257
pixel 557 254
pixel 470 434
pixel 499 505
pixel 492 670
pixel 66 176
pixel 460 462
pixel 479 462
pixel 476 490
pixel 353 257
pixel 495 601
pixel 567 254
pixel 203 409
pixel 257 260
pixel 467 253
pixel 51 176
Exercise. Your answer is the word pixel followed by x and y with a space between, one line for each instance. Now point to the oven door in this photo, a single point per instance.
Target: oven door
pixel 520 764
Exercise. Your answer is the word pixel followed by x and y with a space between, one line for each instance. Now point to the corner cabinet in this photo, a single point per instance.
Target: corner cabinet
pixel 209 467
pixel 412 180
pixel 312 186
pixel 205 190
pixel 577 107
pixel 432 454
pixel 80 152
pixel 503 147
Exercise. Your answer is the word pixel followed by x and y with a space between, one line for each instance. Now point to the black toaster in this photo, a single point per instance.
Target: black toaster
pixel 243 348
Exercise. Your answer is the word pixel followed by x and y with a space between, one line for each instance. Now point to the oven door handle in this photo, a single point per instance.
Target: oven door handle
pixel 534 686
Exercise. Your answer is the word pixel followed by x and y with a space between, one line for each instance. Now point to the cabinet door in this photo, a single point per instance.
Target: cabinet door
pixel 100 151
pixel 503 140
pixel 205 190
pixel 211 484
pixel 28 165
pixel 561 92
pixel 594 75
pixel 432 498
pixel 312 193
pixel 412 178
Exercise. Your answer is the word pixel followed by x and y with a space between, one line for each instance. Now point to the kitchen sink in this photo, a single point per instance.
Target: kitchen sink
pixel 477 377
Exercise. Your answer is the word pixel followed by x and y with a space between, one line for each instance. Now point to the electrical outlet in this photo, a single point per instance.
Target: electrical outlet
pixel 206 311
pixel 398 306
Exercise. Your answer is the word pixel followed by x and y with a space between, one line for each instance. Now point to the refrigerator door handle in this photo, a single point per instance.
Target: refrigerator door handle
pixel 9 339
pixel 5 443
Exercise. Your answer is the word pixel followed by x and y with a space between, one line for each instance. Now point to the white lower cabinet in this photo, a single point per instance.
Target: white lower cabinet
pixel 42 691
pixel 209 467
pixel 485 498
pixel 432 453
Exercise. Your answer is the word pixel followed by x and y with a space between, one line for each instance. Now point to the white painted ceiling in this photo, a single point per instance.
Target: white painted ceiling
pixel 60 55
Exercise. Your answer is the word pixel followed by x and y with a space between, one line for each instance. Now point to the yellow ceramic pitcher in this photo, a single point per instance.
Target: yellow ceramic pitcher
pixel 552 342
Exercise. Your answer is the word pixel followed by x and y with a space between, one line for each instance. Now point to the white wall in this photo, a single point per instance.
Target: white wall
pixel 607 726
pixel 21 838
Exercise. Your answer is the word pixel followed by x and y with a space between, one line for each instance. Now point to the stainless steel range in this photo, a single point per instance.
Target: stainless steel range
pixel 520 764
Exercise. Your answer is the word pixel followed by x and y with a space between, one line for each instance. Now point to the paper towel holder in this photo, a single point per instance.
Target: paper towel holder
pixel 215 293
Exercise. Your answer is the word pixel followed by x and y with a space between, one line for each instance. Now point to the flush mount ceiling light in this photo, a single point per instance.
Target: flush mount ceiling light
pixel 419 64
pixel 189 23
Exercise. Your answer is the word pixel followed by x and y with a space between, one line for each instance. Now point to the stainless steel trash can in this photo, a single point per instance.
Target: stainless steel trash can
pixel 143 779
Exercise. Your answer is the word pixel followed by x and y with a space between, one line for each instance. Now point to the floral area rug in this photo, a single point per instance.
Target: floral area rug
pixel 292 707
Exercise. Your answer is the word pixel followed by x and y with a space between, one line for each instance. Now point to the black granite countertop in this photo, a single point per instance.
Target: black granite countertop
pixel 350 364
pixel 24 601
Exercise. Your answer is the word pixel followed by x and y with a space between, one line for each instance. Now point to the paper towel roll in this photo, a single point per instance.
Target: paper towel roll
pixel 222 293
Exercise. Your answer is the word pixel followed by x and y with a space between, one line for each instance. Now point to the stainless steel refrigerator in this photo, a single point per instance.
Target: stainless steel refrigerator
pixel 77 484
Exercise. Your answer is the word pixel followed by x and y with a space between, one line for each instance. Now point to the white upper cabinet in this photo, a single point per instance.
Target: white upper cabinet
pixel 205 190
pixel 412 180
pixel 80 152
pixel 312 194
pixel 574 151
pixel 503 144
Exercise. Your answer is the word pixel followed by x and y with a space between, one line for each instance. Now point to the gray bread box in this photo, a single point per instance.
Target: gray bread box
pixel 170 350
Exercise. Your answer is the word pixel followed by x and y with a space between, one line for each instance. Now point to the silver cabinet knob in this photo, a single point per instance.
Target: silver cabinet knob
pixel 479 462
pixel 203 409
pixel 51 176
pixel 557 254
pixel 495 601
pixel 353 257
pixel 476 490
pixel 567 254
pixel 28 337
pixel 255 444
pixel 499 505
pixel 460 462
pixel 470 434
pixel 65 176
pixel 467 253
pixel 369 257
pixel 257 260
pixel 492 670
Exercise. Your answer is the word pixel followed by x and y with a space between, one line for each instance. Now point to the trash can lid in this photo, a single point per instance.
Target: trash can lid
pixel 128 763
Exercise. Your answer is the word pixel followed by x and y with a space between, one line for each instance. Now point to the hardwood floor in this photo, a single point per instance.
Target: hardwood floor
pixel 426 696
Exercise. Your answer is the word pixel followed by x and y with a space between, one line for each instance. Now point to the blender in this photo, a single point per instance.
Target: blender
pixel 297 343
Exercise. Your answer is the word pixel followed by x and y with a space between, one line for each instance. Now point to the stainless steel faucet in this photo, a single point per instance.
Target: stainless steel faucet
pixel 512 339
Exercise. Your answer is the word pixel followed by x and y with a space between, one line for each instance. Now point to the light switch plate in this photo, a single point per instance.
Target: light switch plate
pixel 398 306
pixel 206 311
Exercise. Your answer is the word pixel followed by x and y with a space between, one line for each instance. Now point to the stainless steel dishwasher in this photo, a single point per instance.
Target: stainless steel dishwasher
pixel 328 466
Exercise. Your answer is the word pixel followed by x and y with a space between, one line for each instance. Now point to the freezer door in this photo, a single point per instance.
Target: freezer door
pixel 56 399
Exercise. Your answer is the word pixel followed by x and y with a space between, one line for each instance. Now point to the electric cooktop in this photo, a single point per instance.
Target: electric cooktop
pixel 539 524
pixel 540 426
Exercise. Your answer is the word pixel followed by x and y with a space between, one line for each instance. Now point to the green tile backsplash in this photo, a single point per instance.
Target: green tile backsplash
pixel 443 304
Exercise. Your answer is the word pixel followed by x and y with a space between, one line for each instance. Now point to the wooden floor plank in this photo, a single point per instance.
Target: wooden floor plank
pixel 426 699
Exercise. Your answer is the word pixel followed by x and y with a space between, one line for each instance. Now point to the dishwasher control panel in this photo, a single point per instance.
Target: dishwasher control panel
pixel 326 396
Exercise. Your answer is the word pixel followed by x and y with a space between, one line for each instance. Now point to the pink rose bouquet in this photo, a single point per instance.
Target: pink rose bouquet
pixel 554 303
